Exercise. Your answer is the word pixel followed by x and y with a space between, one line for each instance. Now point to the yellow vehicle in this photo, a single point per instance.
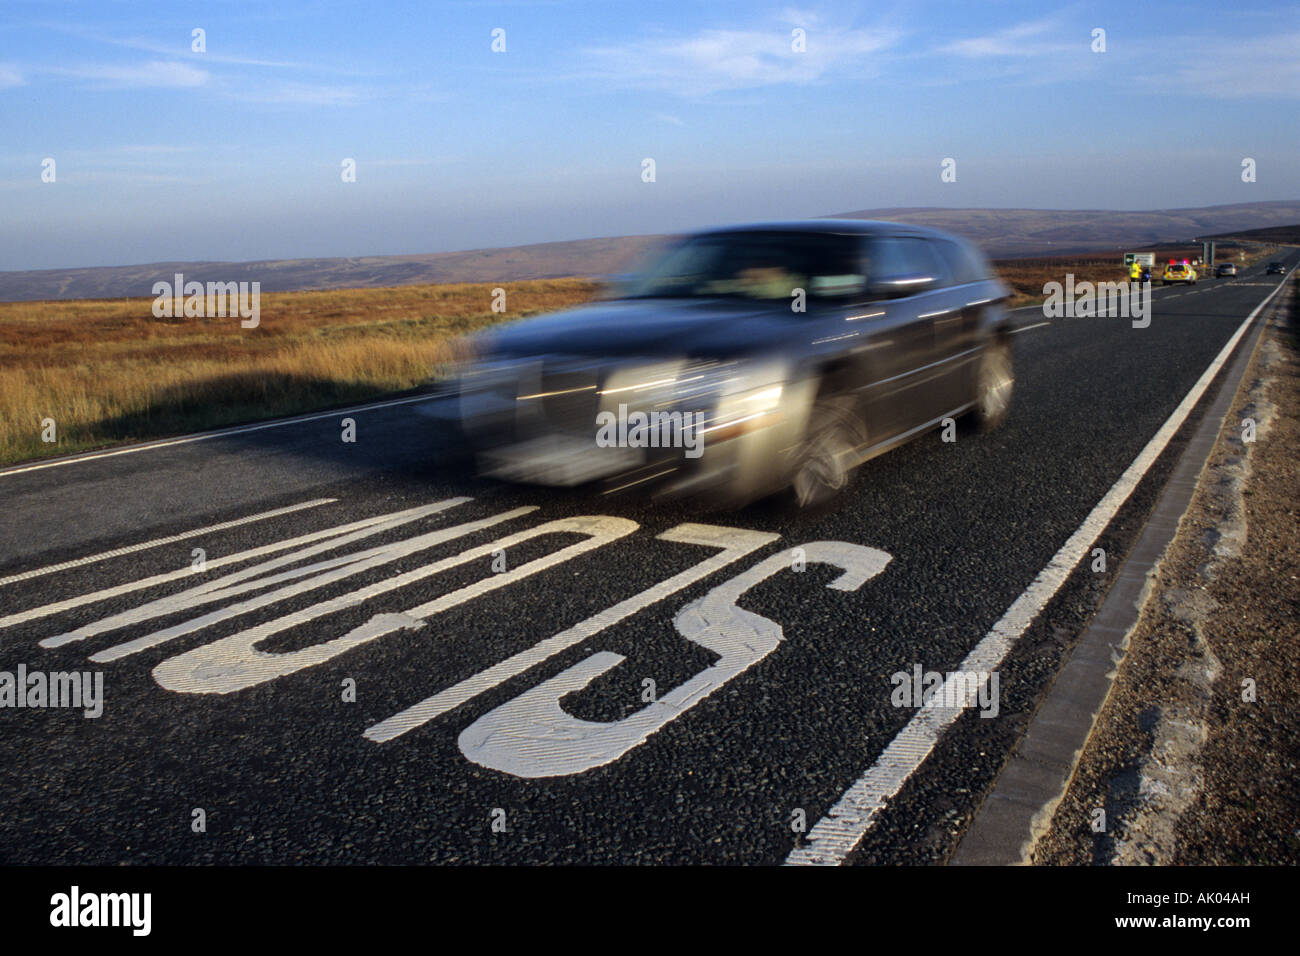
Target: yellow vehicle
pixel 1178 272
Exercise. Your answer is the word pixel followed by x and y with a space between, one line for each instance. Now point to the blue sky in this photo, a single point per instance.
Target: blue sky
pixel 165 154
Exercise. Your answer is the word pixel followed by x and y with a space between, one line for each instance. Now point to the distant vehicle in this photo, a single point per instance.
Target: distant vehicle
pixel 1225 269
pixel 1178 272
pixel 1275 268
pixel 797 350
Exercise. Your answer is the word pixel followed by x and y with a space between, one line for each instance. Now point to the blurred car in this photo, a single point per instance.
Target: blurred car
pixel 1275 268
pixel 747 360
pixel 1225 269
pixel 1178 272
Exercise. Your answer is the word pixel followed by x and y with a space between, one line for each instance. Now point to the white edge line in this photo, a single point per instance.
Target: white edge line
pixel 223 433
pixel 835 836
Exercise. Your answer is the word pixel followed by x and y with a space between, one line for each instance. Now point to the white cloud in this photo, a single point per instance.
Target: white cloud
pixel 402 163
pixel 302 94
pixel 180 46
pixel 154 148
pixel 9 77
pixel 729 59
pixel 156 73
pixel 1228 68
pixel 1023 39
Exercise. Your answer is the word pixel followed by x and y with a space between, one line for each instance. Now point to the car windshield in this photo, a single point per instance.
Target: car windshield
pixel 755 265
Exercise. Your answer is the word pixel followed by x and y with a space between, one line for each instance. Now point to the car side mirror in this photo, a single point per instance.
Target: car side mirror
pixel 897 286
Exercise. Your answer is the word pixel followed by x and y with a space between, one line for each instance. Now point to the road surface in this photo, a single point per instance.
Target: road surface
pixel 360 652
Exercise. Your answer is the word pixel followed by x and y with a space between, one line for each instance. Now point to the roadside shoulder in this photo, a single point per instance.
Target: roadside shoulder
pixel 1194 758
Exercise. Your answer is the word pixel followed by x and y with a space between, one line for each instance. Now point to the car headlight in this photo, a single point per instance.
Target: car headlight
pixel 737 397
pixel 733 397
pixel 719 382
pixel 687 385
pixel 739 413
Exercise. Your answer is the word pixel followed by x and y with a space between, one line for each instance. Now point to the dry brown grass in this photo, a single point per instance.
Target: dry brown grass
pixel 107 371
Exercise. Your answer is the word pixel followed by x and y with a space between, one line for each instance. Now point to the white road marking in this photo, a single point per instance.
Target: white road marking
pixel 159 542
pixel 352 531
pixel 835 835
pixel 234 663
pixel 1026 328
pixel 533 736
pixel 207 436
pixel 736 544
pixel 335 569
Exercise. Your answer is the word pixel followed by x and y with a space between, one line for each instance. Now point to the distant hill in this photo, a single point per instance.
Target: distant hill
pixel 1280 235
pixel 547 260
pixel 1001 232
pixel 1019 232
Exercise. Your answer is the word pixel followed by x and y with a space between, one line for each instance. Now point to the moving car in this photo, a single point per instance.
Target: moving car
pixel 1178 272
pixel 1275 268
pixel 747 360
pixel 1225 269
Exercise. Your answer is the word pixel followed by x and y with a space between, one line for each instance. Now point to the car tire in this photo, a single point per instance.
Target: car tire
pixel 824 460
pixel 995 381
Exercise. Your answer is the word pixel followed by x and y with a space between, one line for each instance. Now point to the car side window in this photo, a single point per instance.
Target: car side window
pixel 902 255
pixel 907 256
pixel 964 263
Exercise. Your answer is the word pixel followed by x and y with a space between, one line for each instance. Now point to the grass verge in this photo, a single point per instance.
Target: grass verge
pixel 107 371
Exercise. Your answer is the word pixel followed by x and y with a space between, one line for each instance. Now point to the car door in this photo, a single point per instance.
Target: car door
pixel 905 391
pixel 956 332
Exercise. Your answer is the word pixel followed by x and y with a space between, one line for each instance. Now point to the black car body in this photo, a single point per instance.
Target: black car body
pixel 798 350
pixel 1275 268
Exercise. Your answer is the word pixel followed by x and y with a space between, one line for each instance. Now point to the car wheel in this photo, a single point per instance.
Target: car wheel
pixel 995 381
pixel 823 464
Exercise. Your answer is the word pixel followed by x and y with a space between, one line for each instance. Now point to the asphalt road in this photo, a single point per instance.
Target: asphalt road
pixel 763 716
